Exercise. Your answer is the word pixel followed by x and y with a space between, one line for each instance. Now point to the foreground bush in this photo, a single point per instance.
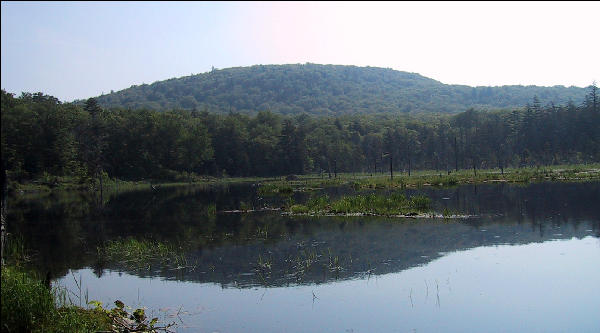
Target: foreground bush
pixel 29 306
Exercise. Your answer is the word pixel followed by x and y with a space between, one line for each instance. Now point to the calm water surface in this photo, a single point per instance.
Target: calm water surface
pixel 529 262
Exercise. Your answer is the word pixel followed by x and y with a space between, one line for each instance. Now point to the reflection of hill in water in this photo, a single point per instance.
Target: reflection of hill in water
pixel 361 246
pixel 265 248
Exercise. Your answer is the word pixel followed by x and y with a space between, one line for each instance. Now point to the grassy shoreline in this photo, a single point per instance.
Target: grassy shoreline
pixel 281 185
pixel 561 173
pixel 30 306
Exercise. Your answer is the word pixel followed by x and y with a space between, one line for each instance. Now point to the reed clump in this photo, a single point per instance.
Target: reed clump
pixel 275 189
pixel 368 204
pixel 143 253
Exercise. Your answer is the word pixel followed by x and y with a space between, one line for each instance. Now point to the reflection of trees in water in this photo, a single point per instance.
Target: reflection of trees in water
pixel 326 249
pixel 234 249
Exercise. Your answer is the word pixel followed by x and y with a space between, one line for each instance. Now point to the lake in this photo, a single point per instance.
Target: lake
pixel 528 261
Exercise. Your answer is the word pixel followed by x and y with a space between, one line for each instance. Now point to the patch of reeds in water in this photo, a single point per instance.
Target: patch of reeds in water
pixel 275 189
pixel 141 254
pixel 394 204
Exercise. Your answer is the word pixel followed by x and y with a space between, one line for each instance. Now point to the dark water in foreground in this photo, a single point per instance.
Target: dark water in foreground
pixel 530 262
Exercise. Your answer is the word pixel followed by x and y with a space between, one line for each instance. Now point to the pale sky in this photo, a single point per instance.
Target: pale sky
pixel 79 50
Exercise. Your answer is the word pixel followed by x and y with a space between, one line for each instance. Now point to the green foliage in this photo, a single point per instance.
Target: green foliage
pixel 37 135
pixel 273 189
pixel 29 306
pixel 124 321
pixel 299 209
pixel 49 142
pixel 325 90
pixel 26 302
pixel 14 251
pixel 244 206
pixel 371 204
pixel 141 254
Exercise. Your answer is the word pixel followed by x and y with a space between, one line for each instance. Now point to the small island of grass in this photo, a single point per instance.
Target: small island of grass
pixel 395 204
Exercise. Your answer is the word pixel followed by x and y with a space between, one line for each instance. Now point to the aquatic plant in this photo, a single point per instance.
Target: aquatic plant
pixel 299 209
pixel 141 254
pixel 304 262
pixel 264 268
pixel 394 204
pixel 211 210
pixel 333 262
pixel 244 206
pixel 136 321
pixel 275 188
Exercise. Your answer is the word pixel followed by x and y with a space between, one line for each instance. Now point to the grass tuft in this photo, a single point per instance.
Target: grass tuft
pixel 141 254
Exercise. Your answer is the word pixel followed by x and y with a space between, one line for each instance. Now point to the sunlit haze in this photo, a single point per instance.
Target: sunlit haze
pixel 79 50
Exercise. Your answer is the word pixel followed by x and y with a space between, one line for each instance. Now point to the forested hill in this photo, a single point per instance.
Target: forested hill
pixel 326 90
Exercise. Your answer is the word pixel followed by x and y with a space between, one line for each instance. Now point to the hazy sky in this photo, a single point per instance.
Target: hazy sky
pixel 78 50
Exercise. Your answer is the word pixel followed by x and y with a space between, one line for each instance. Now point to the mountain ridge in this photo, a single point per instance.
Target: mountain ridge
pixel 330 90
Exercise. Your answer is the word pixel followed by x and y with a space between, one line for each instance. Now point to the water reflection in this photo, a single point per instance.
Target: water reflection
pixel 503 288
pixel 266 249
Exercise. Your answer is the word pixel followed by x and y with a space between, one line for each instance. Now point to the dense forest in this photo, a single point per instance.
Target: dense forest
pixel 325 90
pixel 42 136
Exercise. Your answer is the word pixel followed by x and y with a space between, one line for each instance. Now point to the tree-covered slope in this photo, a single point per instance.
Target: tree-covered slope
pixel 326 90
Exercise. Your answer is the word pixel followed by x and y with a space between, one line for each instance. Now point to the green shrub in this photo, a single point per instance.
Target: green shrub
pixel 29 306
pixel 26 302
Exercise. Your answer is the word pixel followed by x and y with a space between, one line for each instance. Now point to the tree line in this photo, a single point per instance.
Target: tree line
pixel 42 136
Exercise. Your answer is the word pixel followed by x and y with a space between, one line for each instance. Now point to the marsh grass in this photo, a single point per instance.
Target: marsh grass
pixel 310 182
pixel 15 251
pixel 394 204
pixel 304 262
pixel 275 189
pixel 142 254
pixel 209 211
pixel 244 206
pixel 307 263
pixel 334 264
pixel 264 269
pixel 359 181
